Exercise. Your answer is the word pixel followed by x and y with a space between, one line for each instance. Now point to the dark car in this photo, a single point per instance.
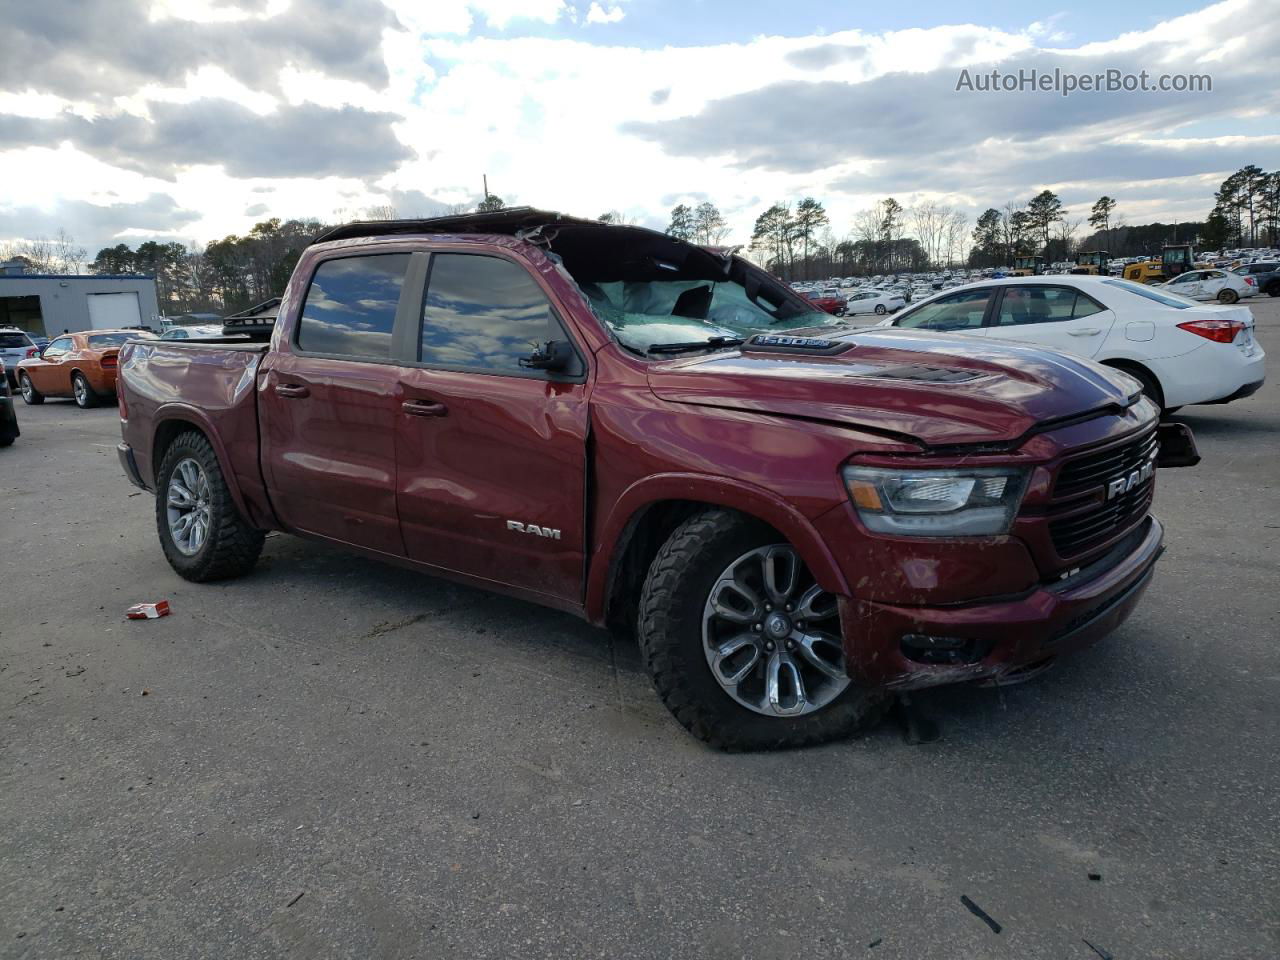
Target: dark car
pixel 9 431
pixel 1265 273
pixel 794 519
pixel 826 302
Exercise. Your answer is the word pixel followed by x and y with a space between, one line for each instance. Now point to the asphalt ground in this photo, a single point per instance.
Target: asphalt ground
pixel 336 758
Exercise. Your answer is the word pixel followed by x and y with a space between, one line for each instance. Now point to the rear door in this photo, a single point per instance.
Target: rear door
pixel 328 405
pixel 1061 317
pixel 492 454
pixel 1212 282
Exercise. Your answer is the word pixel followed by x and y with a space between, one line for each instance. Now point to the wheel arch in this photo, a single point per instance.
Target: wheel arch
pixel 1129 365
pixel 646 514
pixel 171 424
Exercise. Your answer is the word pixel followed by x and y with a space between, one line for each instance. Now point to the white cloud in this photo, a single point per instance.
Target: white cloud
pixel 544 117
pixel 598 14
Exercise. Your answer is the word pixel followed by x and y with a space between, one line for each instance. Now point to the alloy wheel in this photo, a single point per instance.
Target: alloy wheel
pixel 187 507
pixel 771 635
pixel 27 391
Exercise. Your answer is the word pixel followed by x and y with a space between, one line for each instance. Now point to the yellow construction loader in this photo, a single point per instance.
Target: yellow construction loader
pixel 1093 264
pixel 1026 267
pixel 1175 259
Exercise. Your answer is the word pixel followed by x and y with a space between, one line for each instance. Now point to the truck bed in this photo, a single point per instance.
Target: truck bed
pixel 210 384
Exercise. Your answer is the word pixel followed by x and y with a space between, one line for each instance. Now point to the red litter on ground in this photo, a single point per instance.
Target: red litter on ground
pixel 148 611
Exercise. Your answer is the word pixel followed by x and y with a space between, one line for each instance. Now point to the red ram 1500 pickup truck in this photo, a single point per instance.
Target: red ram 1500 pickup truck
pixel 794 517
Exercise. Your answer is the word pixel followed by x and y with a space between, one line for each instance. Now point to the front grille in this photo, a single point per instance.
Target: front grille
pixel 1101 519
pixel 1095 469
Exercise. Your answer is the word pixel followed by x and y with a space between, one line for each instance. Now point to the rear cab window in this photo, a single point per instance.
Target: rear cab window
pixel 351 304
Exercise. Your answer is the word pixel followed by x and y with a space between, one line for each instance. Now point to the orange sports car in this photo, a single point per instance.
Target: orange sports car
pixel 80 365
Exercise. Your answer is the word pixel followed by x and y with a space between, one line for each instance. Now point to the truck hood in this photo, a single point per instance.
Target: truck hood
pixel 939 390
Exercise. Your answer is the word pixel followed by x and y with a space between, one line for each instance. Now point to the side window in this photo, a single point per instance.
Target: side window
pixel 960 311
pixel 483 312
pixel 1023 305
pixel 58 347
pixel 351 306
pixel 1086 306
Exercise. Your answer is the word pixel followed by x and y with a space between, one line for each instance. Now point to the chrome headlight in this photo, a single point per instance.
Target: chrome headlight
pixel 962 502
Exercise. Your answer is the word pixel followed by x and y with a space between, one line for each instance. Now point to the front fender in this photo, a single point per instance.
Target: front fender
pixel 714 492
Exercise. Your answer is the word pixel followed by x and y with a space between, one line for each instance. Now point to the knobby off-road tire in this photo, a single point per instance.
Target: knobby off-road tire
pixel 670 632
pixel 229 546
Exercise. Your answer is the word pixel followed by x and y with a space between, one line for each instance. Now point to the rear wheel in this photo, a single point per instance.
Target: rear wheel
pixel 743 645
pixel 30 394
pixel 1227 295
pixel 203 535
pixel 85 397
pixel 881 309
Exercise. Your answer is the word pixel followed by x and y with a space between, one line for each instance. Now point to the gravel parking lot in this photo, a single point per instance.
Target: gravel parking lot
pixel 335 758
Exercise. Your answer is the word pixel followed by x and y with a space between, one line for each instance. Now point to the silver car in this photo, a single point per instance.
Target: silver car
pixel 14 346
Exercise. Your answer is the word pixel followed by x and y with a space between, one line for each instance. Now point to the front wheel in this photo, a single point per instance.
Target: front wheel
pixel 1227 295
pixel 30 395
pixel 881 309
pixel 743 645
pixel 202 533
pixel 841 311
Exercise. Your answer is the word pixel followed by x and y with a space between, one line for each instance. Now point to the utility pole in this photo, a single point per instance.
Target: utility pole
pixel 486 185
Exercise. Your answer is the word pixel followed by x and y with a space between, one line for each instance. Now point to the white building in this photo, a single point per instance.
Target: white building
pixel 46 305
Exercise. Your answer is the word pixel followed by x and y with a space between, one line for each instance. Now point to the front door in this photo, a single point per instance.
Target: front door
pixel 328 406
pixel 1060 317
pixel 1188 285
pixel 53 376
pixel 492 454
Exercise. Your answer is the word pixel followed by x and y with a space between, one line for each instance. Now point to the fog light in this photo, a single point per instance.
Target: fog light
pixel 924 648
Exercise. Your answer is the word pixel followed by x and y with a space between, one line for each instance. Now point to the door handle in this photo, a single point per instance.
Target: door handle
pixel 1087 332
pixel 292 390
pixel 424 408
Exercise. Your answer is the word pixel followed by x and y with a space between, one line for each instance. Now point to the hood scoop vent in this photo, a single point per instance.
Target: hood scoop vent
pixel 922 373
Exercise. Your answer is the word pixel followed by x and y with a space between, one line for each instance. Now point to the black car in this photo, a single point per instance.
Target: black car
pixel 9 431
pixel 1265 273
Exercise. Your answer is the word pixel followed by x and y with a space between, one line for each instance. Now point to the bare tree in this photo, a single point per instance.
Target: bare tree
pixel 955 230
pixel 381 211
pixel 56 255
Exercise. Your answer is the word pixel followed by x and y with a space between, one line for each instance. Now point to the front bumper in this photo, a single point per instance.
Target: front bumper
pixel 997 637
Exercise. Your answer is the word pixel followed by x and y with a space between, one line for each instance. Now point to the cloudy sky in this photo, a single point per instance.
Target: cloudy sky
pixel 122 120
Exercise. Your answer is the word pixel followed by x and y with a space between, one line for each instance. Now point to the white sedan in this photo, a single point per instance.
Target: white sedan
pixel 1221 285
pixel 1182 352
pixel 875 301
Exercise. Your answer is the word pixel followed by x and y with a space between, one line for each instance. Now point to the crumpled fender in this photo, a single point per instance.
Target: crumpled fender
pixel 716 492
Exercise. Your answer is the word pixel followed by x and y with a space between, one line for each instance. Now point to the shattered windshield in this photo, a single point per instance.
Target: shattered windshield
pixel 657 313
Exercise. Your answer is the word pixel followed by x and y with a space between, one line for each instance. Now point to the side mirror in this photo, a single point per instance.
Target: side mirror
pixel 555 356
